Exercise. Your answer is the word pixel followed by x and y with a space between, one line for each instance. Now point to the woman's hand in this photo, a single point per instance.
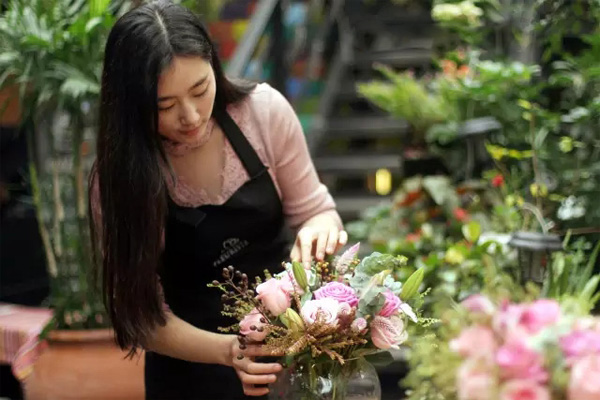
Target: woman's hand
pixel 318 236
pixel 252 373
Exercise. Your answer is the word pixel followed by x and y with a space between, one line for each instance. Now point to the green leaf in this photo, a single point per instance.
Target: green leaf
pixel 590 288
pixel 377 262
pixel 381 358
pixel 371 301
pixel 471 231
pixel 92 24
pixel 589 269
pixel 411 287
pixel 300 275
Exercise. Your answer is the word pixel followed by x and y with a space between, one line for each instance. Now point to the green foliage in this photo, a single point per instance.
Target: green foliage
pixel 52 51
pixel 404 96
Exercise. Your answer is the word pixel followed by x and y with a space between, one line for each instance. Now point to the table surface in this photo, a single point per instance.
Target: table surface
pixel 20 327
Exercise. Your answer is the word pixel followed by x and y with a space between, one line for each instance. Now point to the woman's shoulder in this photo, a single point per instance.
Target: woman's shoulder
pixel 264 95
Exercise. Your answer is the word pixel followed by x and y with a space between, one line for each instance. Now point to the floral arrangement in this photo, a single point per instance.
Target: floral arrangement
pixel 536 350
pixel 327 315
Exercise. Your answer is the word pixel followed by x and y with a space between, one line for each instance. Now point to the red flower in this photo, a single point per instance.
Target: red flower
pixel 461 214
pixel 413 237
pixel 498 180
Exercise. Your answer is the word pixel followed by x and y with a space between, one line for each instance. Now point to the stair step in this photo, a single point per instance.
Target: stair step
pixel 374 127
pixel 352 164
pixel 350 206
pixel 398 58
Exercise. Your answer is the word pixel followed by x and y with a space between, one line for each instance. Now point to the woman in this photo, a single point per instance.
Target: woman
pixel 194 173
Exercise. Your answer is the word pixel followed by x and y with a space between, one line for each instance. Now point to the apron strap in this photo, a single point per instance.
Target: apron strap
pixel 240 143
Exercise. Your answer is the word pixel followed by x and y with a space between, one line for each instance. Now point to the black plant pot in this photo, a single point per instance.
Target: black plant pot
pixel 534 251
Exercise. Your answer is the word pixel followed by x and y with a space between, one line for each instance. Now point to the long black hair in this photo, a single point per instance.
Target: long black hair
pixel 128 172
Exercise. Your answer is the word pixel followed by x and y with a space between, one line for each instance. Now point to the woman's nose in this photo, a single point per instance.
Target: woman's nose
pixel 189 114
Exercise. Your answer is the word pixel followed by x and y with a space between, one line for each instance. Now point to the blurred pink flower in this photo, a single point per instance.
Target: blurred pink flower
pixel 253 319
pixel 580 343
pixel 338 291
pixel 479 304
pixel 391 305
pixel 273 295
pixel 520 389
pixel 584 383
pixel 327 308
pixel 388 333
pixel 474 381
pixel 539 315
pixel 476 342
pixel 517 361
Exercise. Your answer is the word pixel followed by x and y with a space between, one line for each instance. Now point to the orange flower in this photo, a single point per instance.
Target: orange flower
pixel 461 214
pixel 449 67
pixel 463 71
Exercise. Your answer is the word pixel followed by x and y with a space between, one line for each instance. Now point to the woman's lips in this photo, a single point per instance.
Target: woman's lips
pixel 191 132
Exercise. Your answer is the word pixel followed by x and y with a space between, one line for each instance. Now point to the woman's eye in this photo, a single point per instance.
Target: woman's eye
pixel 165 108
pixel 200 94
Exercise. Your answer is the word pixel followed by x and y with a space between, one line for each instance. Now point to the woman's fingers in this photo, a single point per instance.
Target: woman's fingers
pixel 322 241
pixel 251 379
pixel 250 390
pixel 332 240
pixel 306 237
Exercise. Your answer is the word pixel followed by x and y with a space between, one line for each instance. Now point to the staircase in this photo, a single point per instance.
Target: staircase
pixel 350 139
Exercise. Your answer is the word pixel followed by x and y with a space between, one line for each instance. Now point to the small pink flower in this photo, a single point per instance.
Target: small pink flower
pixel 392 304
pixel 338 291
pixel 580 343
pixel 388 332
pixel 359 325
pixel 289 284
pixel 475 342
pixel 327 309
pixel 584 383
pixel 479 304
pixel 273 295
pixel 540 314
pixel 517 361
pixel 474 381
pixel 519 389
pixel 254 319
pixel 342 264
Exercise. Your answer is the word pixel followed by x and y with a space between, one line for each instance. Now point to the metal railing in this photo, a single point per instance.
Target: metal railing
pixel 268 14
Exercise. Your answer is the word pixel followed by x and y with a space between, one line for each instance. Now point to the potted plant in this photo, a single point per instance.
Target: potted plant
pixel 53 51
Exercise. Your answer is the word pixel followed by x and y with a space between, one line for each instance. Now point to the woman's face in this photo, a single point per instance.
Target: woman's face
pixel 186 94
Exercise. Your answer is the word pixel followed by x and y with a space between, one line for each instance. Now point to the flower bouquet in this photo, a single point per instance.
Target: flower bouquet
pixel 326 320
pixel 533 351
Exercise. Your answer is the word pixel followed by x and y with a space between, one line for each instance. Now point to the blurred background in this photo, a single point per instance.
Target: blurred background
pixel 435 125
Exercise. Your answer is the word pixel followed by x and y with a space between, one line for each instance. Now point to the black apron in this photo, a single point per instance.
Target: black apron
pixel 248 231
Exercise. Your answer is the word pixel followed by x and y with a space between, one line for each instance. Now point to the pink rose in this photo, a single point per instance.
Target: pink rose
pixel 539 315
pixel 254 319
pixel 391 305
pixel 338 291
pixel 273 295
pixel 479 304
pixel 359 325
pixel 475 341
pixel 580 343
pixel 388 332
pixel 474 381
pixel 507 324
pixel 517 361
pixel 327 309
pixel 520 389
pixel 289 284
pixel 584 383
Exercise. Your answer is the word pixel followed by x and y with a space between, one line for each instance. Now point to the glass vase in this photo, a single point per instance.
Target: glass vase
pixel 355 380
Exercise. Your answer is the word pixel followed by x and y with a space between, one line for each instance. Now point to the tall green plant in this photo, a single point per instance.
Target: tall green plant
pixel 52 50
